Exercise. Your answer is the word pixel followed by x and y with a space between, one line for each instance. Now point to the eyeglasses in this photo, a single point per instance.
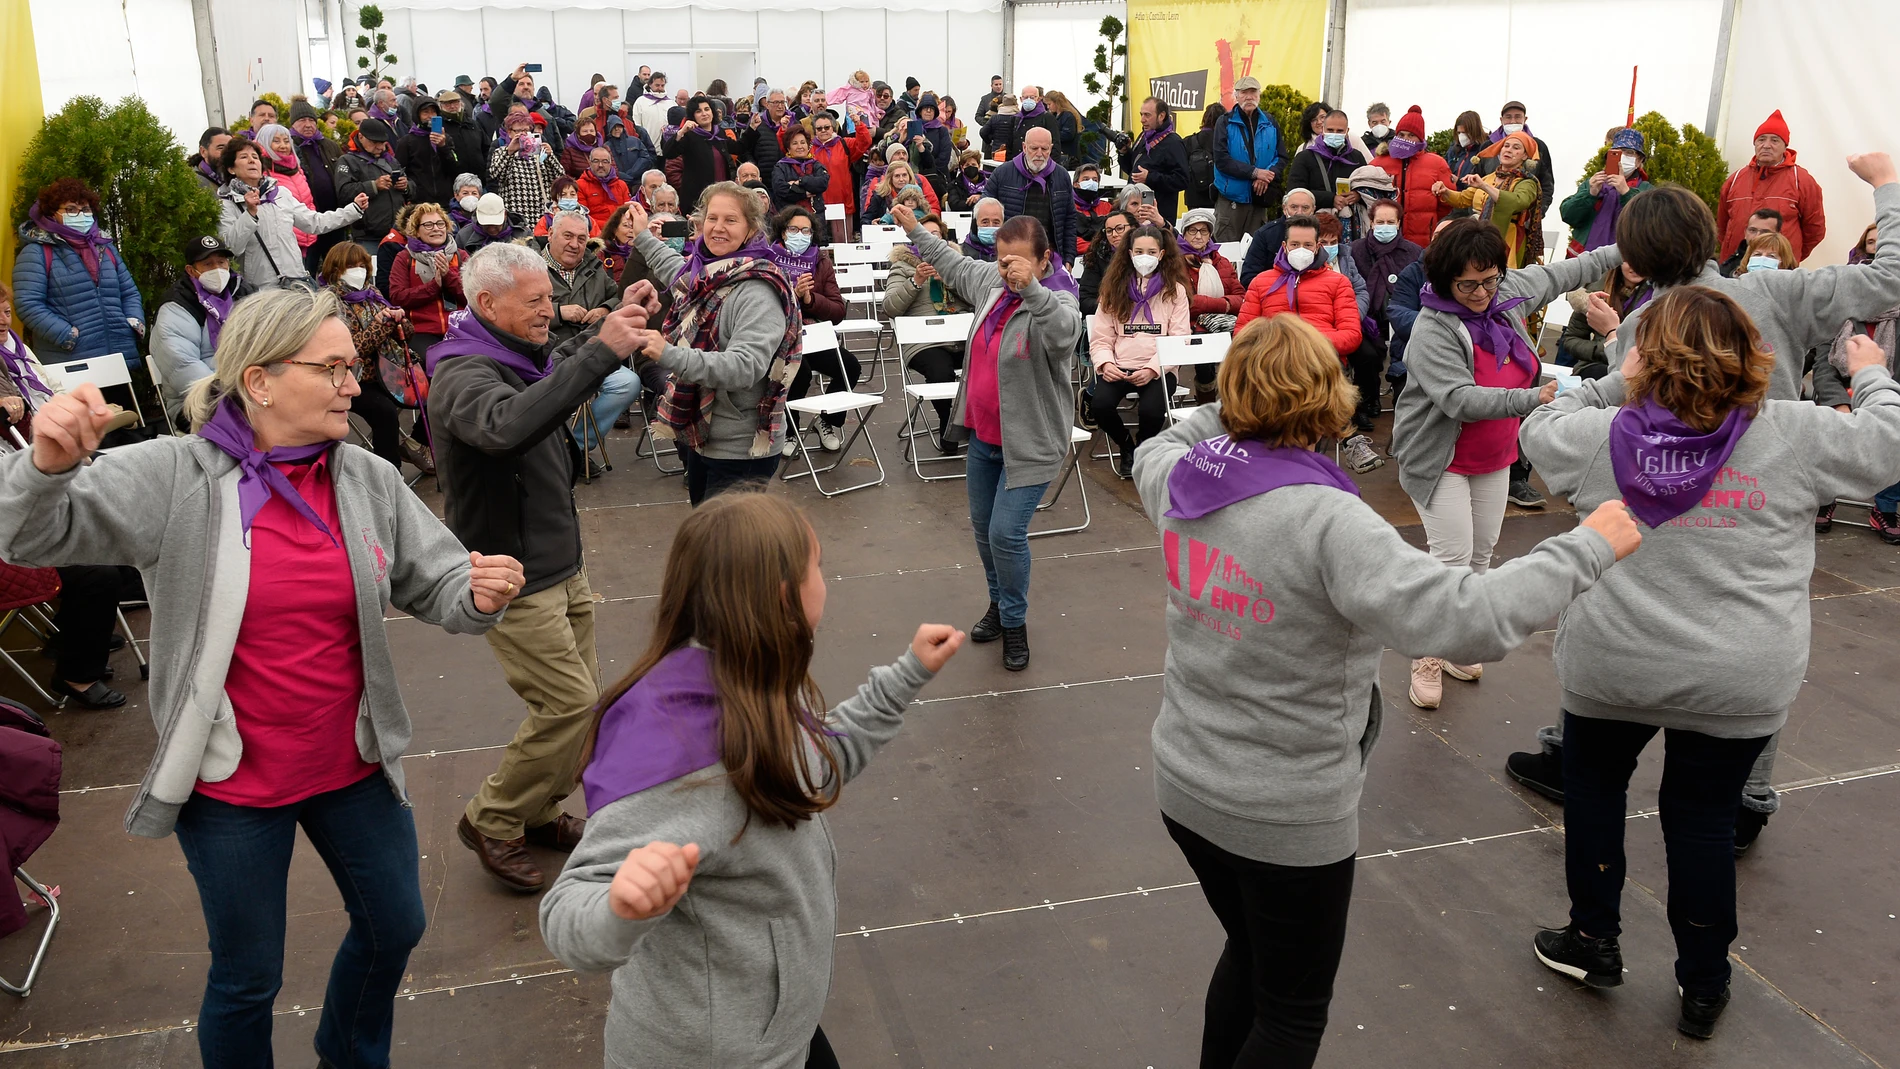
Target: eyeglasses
pixel 1123 229
pixel 338 372
pixel 1469 286
pixel 432 224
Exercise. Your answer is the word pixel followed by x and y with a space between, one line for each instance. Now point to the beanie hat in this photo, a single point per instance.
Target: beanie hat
pixel 1775 125
pixel 910 83
pixel 1412 123
pixel 1197 215
pixel 302 110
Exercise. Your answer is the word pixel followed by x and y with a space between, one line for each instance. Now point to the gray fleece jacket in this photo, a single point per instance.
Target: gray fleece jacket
pixel 751 325
pixel 737 972
pixel 1036 398
pixel 169 507
pixel 1440 394
pixel 1706 627
pixel 1798 310
pixel 1278 608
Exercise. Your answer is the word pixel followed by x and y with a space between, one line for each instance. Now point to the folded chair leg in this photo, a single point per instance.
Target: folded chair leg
pixel 51 899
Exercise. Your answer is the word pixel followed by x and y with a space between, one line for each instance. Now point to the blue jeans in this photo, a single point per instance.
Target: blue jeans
pixel 1000 517
pixel 1888 500
pixel 616 395
pixel 240 858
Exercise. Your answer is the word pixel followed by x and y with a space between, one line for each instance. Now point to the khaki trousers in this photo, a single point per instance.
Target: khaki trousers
pixel 1232 222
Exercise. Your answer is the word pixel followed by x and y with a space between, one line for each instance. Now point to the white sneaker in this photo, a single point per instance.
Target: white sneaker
pixel 1470 673
pixel 1428 685
pixel 790 448
pixel 828 439
pixel 1359 455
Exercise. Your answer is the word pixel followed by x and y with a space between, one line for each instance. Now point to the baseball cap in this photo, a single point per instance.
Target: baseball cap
pixel 490 211
pixel 198 249
pixel 1249 82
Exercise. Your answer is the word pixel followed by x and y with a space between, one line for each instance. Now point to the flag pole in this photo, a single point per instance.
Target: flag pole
pixel 1630 120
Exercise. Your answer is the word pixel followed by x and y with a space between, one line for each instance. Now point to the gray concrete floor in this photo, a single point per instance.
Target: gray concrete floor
pixel 1007 896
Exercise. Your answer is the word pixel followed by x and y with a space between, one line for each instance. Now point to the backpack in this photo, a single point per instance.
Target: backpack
pixel 1201 167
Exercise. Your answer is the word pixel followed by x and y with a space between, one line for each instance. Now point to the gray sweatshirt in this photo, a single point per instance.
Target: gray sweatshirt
pixel 1440 394
pixel 1706 627
pixel 1278 608
pixel 169 507
pixel 1798 310
pixel 751 325
pixel 1036 357
pixel 737 972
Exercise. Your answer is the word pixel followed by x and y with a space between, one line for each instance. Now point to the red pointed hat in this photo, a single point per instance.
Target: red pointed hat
pixel 1775 125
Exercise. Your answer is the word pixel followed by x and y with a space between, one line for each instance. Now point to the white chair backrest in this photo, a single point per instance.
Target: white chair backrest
pixel 107 370
pixel 855 277
pixel 1182 349
pixel 835 212
pixel 1233 250
pixel 866 253
pixel 932 330
pixel 883 235
pixel 820 338
pixel 960 220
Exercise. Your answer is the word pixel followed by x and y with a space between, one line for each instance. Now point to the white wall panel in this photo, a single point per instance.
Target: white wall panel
pixel 165 64
pixel 445 44
pixel 1055 47
pixel 401 44
pixel 260 47
pixel 150 51
pixel 975 52
pixel 791 48
pixel 590 44
pixel 654 30
pixel 513 37
pixel 724 29
pixel 854 40
pixel 917 44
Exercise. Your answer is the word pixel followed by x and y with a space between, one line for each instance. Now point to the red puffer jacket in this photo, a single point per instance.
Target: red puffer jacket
pixel 1786 187
pixel 1419 208
pixel 1326 302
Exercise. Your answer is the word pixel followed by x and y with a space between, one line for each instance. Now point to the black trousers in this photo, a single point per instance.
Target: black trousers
pixel 938 365
pixel 707 476
pixel 1367 363
pixel 1151 407
pixel 836 365
pixel 821 1056
pixel 1286 928
pixel 88 606
pixel 384 416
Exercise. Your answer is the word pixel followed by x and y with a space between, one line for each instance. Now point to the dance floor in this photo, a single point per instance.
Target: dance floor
pixel 1006 893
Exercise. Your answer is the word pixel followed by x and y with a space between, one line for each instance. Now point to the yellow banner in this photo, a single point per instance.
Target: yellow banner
pixel 20 116
pixel 1190 52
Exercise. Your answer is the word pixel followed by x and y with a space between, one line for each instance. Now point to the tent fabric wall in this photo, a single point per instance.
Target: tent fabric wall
pixel 20 114
pixel 146 48
pixel 1790 55
pixel 261 48
pixel 1055 46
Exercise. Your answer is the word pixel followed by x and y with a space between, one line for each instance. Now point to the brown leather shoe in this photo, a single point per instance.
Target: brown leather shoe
pixel 507 860
pixel 563 833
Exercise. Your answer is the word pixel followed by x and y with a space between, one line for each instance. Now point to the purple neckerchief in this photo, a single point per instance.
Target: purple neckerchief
pixel 1341 155
pixel 204 168
pixel 1400 148
pixel 617 250
pixel 87 244
pixel 1220 471
pixel 795 264
pixel 1058 280
pixel 1609 206
pixel 971 187
pixel 1497 135
pixel 366 295
pixel 1006 304
pixel 698 259
pixel 1038 108
pixel 1040 178
pixel 1199 250
pixel 607 185
pixel 386 155
pixel 653 97
pixel 376 112
pixel 804 165
pixel 1153 137
pixel 260 480
pixel 308 140
pixel 1291 279
pixel 1663 466
pixel 1141 292
pixel 459 217
pixel 469 336
pixel 665 726
pixel 1490 330
pixel 976 250
pixel 217 306
pixel 20 368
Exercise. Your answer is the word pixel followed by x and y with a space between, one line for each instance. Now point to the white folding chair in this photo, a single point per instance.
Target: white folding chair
pixel 1181 351
pixel 915 333
pixel 1233 251
pixel 821 338
pixel 958 223
pixel 158 386
pixel 883 235
pixel 101 371
pixel 1077 438
pixel 868 253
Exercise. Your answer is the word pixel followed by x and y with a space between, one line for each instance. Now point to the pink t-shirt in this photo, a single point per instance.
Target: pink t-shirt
pixel 296 676
pixel 1490 444
pixel 982 396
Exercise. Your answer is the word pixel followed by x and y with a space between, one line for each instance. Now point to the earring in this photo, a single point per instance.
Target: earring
pixel 265 402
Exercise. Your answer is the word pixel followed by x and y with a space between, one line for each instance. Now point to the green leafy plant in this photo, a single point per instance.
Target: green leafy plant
pixel 1285 104
pixel 1687 156
pixel 1441 141
pixel 150 199
pixel 374 42
pixel 1111 63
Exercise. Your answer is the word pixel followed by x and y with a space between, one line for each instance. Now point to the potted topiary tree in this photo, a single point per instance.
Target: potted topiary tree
pixel 374 41
pixel 1111 62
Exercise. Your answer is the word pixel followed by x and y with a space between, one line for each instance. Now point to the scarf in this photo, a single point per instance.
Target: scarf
pixel 259 480
pixel 1141 294
pixel 699 257
pixel 606 184
pixel 1379 263
pixel 421 258
pixel 615 251
pixel 1663 466
pixel 665 726
pixel 469 336
pixel 1882 333
pixel 1032 111
pixel 217 306
pixel 20 369
pixel 376 112
pixel 796 265
pixel 1153 137
pixel 204 168
pixel 972 188
pixel 1291 278
pixel 1220 472
pixel 366 295
pixel 458 217
pixel 88 244
pixel 1343 155
pixel 574 142
pixel 1199 250
pixel 1040 178
pixel 266 193
pixel 652 98
pixel 1491 330
pixel 1084 200
pixel 1609 206
pixel 685 412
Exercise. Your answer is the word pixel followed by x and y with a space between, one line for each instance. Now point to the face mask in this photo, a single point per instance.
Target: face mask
pixel 215 279
pixel 80 221
pixel 1464 140
pixel 355 278
pixel 1089 186
pixel 1332 251
pixel 1385 232
pixel 1380 130
pixel 468 204
pixel 1629 166
pixel 676 244
pixel 570 204
pixel 1335 140
pixel 1764 263
pixel 796 244
pixel 1513 127
pixel 1144 264
pixel 1301 259
pixel 986 235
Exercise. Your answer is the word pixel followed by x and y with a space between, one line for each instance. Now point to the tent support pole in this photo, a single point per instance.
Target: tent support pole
pixel 1009 44
pixel 1333 75
pixel 1718 84
pixel 210 79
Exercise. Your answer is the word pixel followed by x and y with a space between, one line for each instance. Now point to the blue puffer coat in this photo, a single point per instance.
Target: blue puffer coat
pixel 54 302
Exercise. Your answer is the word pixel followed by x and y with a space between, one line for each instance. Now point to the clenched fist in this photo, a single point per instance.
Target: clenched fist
pixel 652 880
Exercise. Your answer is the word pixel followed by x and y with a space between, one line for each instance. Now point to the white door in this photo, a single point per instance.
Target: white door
pixel 677 66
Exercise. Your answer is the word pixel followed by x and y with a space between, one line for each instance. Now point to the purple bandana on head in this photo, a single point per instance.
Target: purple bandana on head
pixel 217 306
pixel 230 431
pixel 468 336
pixel 664 726
pixel 1491 330
pixel 1220 471
pixel 1662 465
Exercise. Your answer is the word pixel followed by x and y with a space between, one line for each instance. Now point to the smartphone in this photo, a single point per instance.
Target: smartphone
pixel 435 124
pixel 1147 196
pixel 531 68
pixel 397 173
pixel 1341 187
pixel 675 228
pixel 1613 162
pixel 914 129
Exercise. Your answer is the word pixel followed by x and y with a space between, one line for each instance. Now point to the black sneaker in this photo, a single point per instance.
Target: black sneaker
pixel 990 627
pixel 1748 826
pixel 1824 519
pixel 1885 524
pixel 1016 648
pixel 1597 962
pixel 1542 772
pixel 1085 408
pixel 1524 495
pixel 1126 468
pixel 1700 1012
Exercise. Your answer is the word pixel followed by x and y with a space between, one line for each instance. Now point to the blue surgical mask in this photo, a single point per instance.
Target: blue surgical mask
pixel 986 235
pixel 1764 263
pixel 1088 185
pixel 80 221
pixel 796 244
pixel 676 244
pixel 1335 140
pixel 1332 252
pixel 1385 232
pixel 570 204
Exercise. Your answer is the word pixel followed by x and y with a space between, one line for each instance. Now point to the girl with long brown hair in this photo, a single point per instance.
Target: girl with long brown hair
pixel 706 781
pixel 1146 294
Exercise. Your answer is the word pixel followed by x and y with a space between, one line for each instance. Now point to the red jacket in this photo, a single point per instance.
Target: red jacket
pixel 1419 208
pixel 1787 188
pixel 1326 302
pixel 423 300
pixel 601 200
pixel 1229 281
pixel 836 158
